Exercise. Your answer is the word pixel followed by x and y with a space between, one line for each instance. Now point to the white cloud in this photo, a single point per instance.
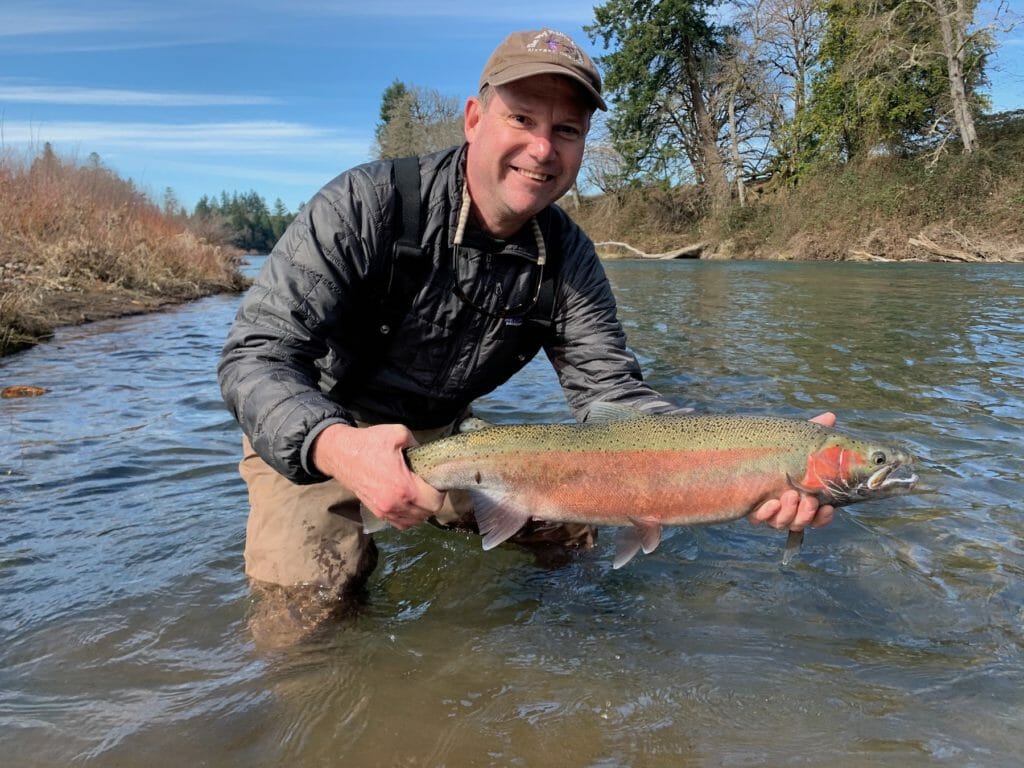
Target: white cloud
pixel 43 94
pixel 230 139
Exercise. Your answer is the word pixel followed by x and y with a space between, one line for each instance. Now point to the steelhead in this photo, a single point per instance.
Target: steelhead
pixel 643 472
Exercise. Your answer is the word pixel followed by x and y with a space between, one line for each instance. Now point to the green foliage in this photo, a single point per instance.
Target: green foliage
pixel 884 82
pixel 655 74
pixel 242 220
pixel 391 102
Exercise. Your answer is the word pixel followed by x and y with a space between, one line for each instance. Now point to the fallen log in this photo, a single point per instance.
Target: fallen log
pixel 685 252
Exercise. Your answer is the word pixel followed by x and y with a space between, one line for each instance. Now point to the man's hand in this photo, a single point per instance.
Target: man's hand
pixel 371 464
pixel 793 510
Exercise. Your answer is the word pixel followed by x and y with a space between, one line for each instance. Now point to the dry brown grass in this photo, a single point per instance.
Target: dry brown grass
pixel 68 229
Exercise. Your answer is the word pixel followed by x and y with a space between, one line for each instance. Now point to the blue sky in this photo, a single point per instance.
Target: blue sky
pixel 210 95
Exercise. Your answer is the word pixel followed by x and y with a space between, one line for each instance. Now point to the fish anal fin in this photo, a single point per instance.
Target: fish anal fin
pixel 641 535
pixel 627 544
pixel 498 517
pixel 650 534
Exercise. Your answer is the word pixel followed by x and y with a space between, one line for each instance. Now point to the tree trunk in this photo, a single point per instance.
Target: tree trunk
pixel 714 164
pixel 737 159
pixel 953 25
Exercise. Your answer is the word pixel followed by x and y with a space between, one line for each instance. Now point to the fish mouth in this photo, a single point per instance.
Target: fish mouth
pixel 892 478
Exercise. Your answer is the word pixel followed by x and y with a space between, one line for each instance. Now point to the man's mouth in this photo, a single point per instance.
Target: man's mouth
pixel 534 175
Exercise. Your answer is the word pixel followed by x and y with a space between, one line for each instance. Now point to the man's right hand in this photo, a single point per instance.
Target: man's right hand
pixel 369 462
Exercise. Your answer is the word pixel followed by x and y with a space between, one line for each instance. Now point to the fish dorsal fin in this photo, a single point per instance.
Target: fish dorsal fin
pixel 601 411
pixel 473 424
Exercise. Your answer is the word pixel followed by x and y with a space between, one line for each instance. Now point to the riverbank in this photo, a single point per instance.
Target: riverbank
pixel 79 244
pixel 925 207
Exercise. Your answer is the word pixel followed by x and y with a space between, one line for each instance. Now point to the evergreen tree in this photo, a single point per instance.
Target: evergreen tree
pixel 662 76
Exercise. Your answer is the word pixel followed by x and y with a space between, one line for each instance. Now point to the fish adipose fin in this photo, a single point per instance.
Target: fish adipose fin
pixel 497 516
pixel 639 536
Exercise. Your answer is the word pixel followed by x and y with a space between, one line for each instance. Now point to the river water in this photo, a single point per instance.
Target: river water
pixel 894 639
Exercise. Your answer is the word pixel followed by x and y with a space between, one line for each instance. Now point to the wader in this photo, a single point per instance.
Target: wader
pixel 308 559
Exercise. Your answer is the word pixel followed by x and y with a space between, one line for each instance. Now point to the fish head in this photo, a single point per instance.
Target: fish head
pixel 846 470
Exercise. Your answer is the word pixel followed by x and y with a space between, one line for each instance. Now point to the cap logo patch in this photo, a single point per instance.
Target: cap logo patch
pixel 549 41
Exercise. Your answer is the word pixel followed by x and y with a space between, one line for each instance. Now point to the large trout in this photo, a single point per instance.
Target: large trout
pixel 644 472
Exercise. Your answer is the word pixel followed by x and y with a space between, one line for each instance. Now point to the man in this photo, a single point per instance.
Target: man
pixel 328 395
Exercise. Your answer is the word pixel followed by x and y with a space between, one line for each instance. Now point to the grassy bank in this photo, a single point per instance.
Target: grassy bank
pixel 954 208
pixel 78 243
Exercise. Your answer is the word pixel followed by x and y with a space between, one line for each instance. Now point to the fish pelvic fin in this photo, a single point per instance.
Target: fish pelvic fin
pixel 371 523
pixel 639 536
pixel 498 517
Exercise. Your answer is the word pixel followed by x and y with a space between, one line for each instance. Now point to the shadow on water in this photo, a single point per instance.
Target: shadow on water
pixel 894 639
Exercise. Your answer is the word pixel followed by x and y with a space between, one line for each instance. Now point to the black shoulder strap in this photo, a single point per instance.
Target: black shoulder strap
pixel 408 262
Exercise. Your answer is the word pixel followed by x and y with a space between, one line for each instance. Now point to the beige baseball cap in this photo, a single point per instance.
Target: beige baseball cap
pixel 539 52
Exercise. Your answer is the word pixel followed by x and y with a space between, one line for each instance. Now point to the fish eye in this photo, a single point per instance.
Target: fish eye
pixel 878 458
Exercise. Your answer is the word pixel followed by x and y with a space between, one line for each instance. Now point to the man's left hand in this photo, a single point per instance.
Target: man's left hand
pixel 793 510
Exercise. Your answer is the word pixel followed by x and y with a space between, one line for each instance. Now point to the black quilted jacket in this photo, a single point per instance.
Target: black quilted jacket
pixel 304 350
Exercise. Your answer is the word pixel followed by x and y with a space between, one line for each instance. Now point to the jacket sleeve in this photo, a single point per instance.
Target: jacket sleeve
pixel 589 350
pixel 302 308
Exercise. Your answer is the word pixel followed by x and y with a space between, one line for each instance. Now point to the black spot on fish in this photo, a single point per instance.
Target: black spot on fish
pixel 477 478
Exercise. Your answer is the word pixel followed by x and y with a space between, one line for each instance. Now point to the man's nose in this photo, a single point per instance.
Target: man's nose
pixel 541 146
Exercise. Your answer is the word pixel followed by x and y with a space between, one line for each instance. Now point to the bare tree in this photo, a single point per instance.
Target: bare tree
pixel 783 39
pixel 419 121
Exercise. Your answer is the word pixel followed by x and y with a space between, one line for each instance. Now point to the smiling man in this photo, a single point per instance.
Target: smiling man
pixel 398 297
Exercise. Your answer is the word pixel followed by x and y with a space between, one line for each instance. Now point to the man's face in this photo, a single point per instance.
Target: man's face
pixel 525 149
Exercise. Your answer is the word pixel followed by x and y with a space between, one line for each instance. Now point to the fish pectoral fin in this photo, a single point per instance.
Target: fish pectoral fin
pixel 497 517
pixel 797 486
pixel 640 535
pixel 371 523
pixel 794 541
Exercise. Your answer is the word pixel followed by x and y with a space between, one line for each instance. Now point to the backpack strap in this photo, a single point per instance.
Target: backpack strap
pixel 408 261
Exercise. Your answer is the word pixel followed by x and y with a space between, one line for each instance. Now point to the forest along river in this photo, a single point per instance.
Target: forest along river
pixel 893 639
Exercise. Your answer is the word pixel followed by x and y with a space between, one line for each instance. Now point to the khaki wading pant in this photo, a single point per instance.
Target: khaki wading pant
pixel 313 534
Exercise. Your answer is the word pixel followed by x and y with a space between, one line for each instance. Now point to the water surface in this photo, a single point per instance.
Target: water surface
pixel 894 639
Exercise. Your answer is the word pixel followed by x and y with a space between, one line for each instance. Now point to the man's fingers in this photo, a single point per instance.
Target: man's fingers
pixel 823 516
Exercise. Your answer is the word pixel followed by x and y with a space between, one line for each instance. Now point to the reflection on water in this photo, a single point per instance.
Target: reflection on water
pixel 895 638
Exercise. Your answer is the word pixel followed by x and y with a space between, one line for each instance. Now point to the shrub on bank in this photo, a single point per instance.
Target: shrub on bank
pixel 69 228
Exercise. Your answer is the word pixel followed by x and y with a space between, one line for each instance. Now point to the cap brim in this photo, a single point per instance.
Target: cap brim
pixel 522 71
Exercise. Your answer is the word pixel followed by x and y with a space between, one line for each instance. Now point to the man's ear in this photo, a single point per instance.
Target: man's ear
pixel 471 117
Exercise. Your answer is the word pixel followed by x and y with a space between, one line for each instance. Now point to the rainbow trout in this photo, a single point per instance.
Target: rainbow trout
pixel 642 472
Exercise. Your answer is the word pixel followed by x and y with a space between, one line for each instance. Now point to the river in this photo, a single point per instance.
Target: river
pixel 894 639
